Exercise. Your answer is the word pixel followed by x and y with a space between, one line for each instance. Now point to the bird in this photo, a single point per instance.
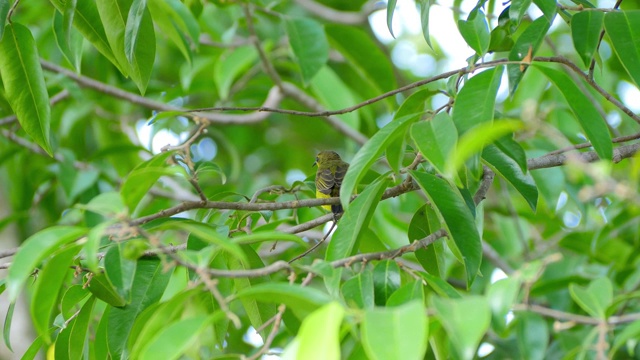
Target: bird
pixel 331 171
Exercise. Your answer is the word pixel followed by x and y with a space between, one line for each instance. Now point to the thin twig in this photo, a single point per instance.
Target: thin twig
pixel 333 225
pixel 273 98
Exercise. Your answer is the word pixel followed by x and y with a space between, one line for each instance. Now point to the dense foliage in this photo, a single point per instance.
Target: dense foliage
pixel 155 166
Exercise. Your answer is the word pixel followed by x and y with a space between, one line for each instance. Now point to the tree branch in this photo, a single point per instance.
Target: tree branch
pixel 273 98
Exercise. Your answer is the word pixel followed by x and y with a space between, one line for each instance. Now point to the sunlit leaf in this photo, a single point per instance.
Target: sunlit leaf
pixel 24 85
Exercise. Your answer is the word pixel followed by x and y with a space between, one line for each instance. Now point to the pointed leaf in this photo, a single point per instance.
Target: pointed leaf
pixel 594 126
pixel 24 83
pixel 475 31
pixel 425 6
pixel 585 32
pixel 506 167
pixel 595 298
pixel 35 249
pixel 370 152
pixel 624 31
pixel 436 139
pixel 528 43
pixel 386 280
pixel 424 222
pixel 356 218
pixel 476 101
pixel 359 290
pixel 149 284
pixel 47 287
pixel 457 217
pixel 391 7
pixel 87 21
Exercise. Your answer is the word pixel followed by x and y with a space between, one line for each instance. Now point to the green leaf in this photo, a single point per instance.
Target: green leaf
pixel 517 10
pixel 149 284
pixel 309 44
pixel 132 28
pixel 408 292
pixel 68 40
pixel 142 178
pixel 369 153
pixel 425 6
pixel 396 333
pixel 506 167
pixel 176 338
pixel 386 280
pixel 466 321
pixel 5 5
pixel 391 7
pixel 90 248
pixel 35 249
pixel 24 85
pixel 177 22
pixel 476 101
pixel 594 126
pixel 533 335
pixel 630 333
pixel 120 271
pixel 33 350
pixel 302 300
pixel 230 65
pixel 156 317
pixel 423 223
pixel 529 40
pixel 585 32
pixel 319 335
pixel 257 311
pixel 440 286
pixel 624 31
pixel 436 139
pixel 457 219
pixel 47 287
pixel 87 21
pixel 475 31
pixel 6 328
pixel 72 300
pixel 108 204
pixel 103 289
pixel 595 298
pixel 355 219
pixel 512 149
pixel 358 290
pixel 371 63
pixel 334 94
pixel 114 17
pixel 475 139
pixel 78 336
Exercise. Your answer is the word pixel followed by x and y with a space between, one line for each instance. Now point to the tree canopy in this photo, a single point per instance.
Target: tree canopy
pixel 155 166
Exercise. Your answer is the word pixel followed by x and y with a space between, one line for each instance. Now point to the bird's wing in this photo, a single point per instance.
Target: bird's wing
pixel 325 181
pixel 341 170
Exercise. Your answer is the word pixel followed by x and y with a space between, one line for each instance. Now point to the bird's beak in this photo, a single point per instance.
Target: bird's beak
pixel 314 163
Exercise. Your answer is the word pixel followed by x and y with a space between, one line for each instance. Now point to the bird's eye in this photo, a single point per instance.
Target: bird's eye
pixel 317 159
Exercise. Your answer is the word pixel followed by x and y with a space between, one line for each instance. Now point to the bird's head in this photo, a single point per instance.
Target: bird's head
pixel 324 156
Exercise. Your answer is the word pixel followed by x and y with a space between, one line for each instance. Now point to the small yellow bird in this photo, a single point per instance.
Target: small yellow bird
pixel 331 171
